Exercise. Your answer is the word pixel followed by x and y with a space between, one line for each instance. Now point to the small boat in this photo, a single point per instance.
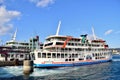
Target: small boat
pixel 68 51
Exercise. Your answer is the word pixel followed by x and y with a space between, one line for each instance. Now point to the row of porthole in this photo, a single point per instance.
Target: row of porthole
pixel 69 59
pixel 73 59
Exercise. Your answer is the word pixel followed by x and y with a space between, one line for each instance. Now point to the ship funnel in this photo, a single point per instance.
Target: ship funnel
pixel 58 28
pixel 93 32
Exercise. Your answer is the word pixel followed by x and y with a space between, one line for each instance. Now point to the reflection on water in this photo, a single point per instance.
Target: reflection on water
pixel 104 71
pixel 26 76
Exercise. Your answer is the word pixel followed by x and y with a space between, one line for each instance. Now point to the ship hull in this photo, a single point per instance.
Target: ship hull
pixel 70 64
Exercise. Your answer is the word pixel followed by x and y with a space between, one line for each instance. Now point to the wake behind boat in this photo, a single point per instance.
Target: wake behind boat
pixel 66 51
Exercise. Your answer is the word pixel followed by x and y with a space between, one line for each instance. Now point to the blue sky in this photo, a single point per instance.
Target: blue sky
pixel 41 17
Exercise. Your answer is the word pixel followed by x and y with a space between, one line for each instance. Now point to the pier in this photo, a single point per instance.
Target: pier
pixel 28 66
pixel 11 63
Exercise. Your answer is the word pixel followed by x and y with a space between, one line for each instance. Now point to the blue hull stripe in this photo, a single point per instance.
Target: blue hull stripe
pixel 69 65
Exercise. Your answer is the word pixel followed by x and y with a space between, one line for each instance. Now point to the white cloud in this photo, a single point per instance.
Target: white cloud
pixel 108 32
pixel 42 3
pixel 5 28
pixel 5 18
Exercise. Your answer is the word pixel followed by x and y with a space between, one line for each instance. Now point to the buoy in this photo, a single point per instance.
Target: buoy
pixel 27 66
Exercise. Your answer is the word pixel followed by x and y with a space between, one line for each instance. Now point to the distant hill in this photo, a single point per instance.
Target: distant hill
pixel 116 49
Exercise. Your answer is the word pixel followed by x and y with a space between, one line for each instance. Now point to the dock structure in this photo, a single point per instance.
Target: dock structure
pixel 11 63
pixel 28 66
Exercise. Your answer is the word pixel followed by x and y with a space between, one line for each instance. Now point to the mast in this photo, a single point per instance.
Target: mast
pixel 58 28
pixel 1 42
pixel 14 35
pixel 94 36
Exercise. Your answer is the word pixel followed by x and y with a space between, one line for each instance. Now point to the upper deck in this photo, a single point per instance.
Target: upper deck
pixel 59 41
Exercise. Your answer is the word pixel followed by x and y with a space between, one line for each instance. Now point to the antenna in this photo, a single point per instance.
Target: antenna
pixel 14 35
pixel 93 33
pixel 58 28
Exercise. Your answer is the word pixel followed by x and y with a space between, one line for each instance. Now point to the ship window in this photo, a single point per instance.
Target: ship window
pixel 49 55
pixel 96 54
pixel 82 44
pixel 69 49
pixel 2 55
pixel 58 55
pixel 48 44
pixel 68 43
pixel 69 59
pixel 12 55
pixel 21 56
pixel 75 44
pixel 39 55
pixel 72 44
pixel 62 55
pixel 73 55
pixel 53 55
pixel 76 55
pixel 66 59
pixel 105 54
pixel 65 55
pixel 66 49
pixel 73 59
pixel 43 55
pixel 76 49
pixel 93 54
pixel 81 59
pixel 96 58
pixel 59 43
pixel 102 54
pixel 62 50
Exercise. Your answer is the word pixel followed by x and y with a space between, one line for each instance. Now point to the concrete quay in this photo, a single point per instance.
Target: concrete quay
pixel 11 63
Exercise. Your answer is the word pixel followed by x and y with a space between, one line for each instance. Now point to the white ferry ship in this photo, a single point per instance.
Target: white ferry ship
pixel 66 51
pixel 14 49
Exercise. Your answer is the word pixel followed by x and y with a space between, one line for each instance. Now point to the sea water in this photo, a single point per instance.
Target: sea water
pixel 103 71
